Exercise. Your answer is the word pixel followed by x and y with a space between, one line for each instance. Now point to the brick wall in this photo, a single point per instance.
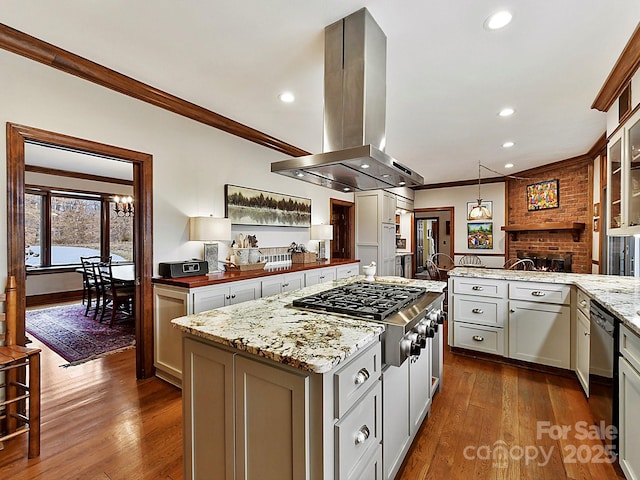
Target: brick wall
pixel 575 206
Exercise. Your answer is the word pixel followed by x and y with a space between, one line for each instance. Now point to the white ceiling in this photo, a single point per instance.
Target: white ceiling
pixel 447 77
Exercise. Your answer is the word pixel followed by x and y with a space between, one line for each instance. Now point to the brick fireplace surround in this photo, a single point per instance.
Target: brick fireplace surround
pixel 576 205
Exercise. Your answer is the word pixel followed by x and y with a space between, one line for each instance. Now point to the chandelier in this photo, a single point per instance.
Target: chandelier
pixel 479 211
pixel 123 206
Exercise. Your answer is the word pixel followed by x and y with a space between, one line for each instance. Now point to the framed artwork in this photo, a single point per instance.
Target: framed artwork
pixel 543 195
pixel 487 205
pixel 248 206
pixel 480 235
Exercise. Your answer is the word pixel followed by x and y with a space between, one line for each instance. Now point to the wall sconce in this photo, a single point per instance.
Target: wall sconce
pixel 209 229
pixel 123 206
pixel 321 233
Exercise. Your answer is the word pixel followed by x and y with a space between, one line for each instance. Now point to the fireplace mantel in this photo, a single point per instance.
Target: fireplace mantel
pixel 574 227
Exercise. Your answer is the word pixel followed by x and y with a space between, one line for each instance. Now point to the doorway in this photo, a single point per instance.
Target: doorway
pixel 17 137
pixel 434 233
pixel 343 220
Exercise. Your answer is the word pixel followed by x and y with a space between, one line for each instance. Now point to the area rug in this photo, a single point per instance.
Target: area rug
pixel 76 338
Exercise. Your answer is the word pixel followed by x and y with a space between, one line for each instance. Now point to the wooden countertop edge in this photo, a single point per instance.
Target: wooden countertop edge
pixel 226 277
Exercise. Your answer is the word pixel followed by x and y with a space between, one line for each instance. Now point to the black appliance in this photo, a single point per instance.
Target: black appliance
pixel 189 268
pixel 603 378
pixel 410 313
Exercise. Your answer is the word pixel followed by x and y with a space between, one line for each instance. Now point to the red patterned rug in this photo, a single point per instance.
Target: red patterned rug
pixel 77 338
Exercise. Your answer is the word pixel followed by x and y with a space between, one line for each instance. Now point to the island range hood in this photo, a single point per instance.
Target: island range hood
pixel 354 114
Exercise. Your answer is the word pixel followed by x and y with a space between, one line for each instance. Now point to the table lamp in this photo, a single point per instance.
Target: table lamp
pixel 209 229
pixel 321 233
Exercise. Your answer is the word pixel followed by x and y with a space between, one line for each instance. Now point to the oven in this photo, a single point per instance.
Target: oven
pixel 603 371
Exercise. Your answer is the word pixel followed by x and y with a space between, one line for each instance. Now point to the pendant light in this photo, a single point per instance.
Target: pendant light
pixel 479 212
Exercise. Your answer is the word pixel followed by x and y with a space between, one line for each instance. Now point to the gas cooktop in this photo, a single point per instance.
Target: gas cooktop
pixel 374 301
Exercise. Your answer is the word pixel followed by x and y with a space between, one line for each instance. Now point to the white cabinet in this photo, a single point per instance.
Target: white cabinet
pixel 249 418
pixel 375 229
pixel 286 282
pixel 582 340
pixel 629 392
pixel 216 296
pixel 319 275
pixel 623 192
pixel 346 271
pixel 168 303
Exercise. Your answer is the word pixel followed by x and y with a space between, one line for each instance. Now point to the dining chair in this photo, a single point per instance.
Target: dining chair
pixel 442 261
pixel 91 284
pixel 116 296
pixel 522 264
pixel 470 260
pixel 432 270
pixel 19 379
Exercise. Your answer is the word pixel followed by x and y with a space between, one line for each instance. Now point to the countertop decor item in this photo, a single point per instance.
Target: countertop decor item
pixel 299 254
pixel 321 233
pixel 208 229
pixel 369 272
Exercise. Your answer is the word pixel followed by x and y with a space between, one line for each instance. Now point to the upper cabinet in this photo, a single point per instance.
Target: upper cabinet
pixel 623 192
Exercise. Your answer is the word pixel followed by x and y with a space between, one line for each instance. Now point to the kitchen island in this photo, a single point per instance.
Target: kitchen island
pixel 274 392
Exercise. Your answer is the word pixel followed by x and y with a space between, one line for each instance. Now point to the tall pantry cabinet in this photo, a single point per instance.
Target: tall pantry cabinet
pixel 376 230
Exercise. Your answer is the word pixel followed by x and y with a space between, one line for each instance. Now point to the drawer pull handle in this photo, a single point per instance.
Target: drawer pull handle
pixel 476 288
pixel 478 310
pixel 478 338
pixel 362 435
pixel 361 377
pixel 538 293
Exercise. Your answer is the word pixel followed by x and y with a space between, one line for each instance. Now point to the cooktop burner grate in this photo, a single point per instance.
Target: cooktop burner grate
pixel 374 301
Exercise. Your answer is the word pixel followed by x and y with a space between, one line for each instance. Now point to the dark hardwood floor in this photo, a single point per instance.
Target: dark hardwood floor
pixel 98 422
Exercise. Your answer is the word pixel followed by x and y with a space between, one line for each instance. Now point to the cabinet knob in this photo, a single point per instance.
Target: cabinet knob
pixel 227 297
pixel 233 296
pixel 512 310
pixel 476 288
pixel 477 310
pixel 362 435
pixel 586 334
pixel 478 338
pixel 538 293
pixel 361 377
pixel 583 303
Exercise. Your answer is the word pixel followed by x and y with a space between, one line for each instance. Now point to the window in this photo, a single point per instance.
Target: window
pixel 61 227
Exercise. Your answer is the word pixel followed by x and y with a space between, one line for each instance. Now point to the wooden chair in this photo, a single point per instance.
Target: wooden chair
pixel 116 296
pixel 521 264
pixel 91 284
pixel 443 261
pixel 432 270
pixel 20 409
pixel 470 260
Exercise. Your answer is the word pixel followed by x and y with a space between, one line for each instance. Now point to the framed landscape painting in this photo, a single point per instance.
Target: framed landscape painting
pixel 543 195
pixel 248 206
pixel 480 235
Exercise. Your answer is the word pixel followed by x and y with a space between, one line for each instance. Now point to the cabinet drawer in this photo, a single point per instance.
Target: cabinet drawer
pixel 355 378
pixel 630 347
pixel 583 303
pixel 480 286
pixel 479 338
pixel 540 292
pixel 489 311
pixel 359 433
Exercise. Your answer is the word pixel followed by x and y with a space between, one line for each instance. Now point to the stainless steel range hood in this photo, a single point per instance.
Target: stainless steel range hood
pixel 354 114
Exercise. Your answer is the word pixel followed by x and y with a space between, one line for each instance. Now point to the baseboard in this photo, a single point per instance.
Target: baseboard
pixel 53 298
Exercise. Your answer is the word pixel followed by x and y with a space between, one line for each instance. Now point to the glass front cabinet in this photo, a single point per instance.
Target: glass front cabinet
pixel 623 191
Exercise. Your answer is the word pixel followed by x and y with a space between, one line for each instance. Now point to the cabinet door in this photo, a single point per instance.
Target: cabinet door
pixel 388 250
pixel 583 342
pixel 347 271
pixel 419 387
pixel 208 298
pixel 633 182
pixel 396 430
pixel 629 435
pixel 244 291
pixel 367 218
pixel 272 285
pixel 614 189
pixel 168 304
pixel 319 275
pixel 293 281
pixel 208 412
pixel 272 422
pixel 540 333
pixel 389 208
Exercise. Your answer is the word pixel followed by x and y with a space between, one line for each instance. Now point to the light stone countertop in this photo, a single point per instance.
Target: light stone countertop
pixel 271 328
pixel 620 295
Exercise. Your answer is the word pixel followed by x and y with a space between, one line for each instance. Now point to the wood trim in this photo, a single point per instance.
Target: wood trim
pixel 621 125
pixel 460 183
pixel 574 227
pixel 352 223
pixel 35 49
pixel 452 217
pixel 17 135
pixel 53 298
pixel 84 176
pixel 479 253
pixel 624 68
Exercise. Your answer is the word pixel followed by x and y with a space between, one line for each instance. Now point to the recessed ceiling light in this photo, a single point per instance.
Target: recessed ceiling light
pixel 286 97
pixel 346 189
pixel 498 20
pixel 508 144
pixel 402 183
pixel 299 174
pixel 508 165
pixel 506 112
pixel 386 175
pixel 364 165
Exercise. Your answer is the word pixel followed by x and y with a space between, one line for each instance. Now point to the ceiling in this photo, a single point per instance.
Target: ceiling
pixel 447 76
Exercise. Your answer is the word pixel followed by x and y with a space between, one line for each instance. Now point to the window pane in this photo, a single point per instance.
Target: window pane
pixel 120 236
pixel 32 228
pixel 75 229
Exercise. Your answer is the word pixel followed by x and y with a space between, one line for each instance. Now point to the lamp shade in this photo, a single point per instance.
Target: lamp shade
pixel 209 228
pixel 321 232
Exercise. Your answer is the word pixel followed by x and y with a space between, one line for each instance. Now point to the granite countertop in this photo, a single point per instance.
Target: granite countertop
pixel 620 295
pixel 269 327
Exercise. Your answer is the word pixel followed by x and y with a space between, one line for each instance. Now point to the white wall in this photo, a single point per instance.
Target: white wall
pixel 191 162
pixel 458 197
